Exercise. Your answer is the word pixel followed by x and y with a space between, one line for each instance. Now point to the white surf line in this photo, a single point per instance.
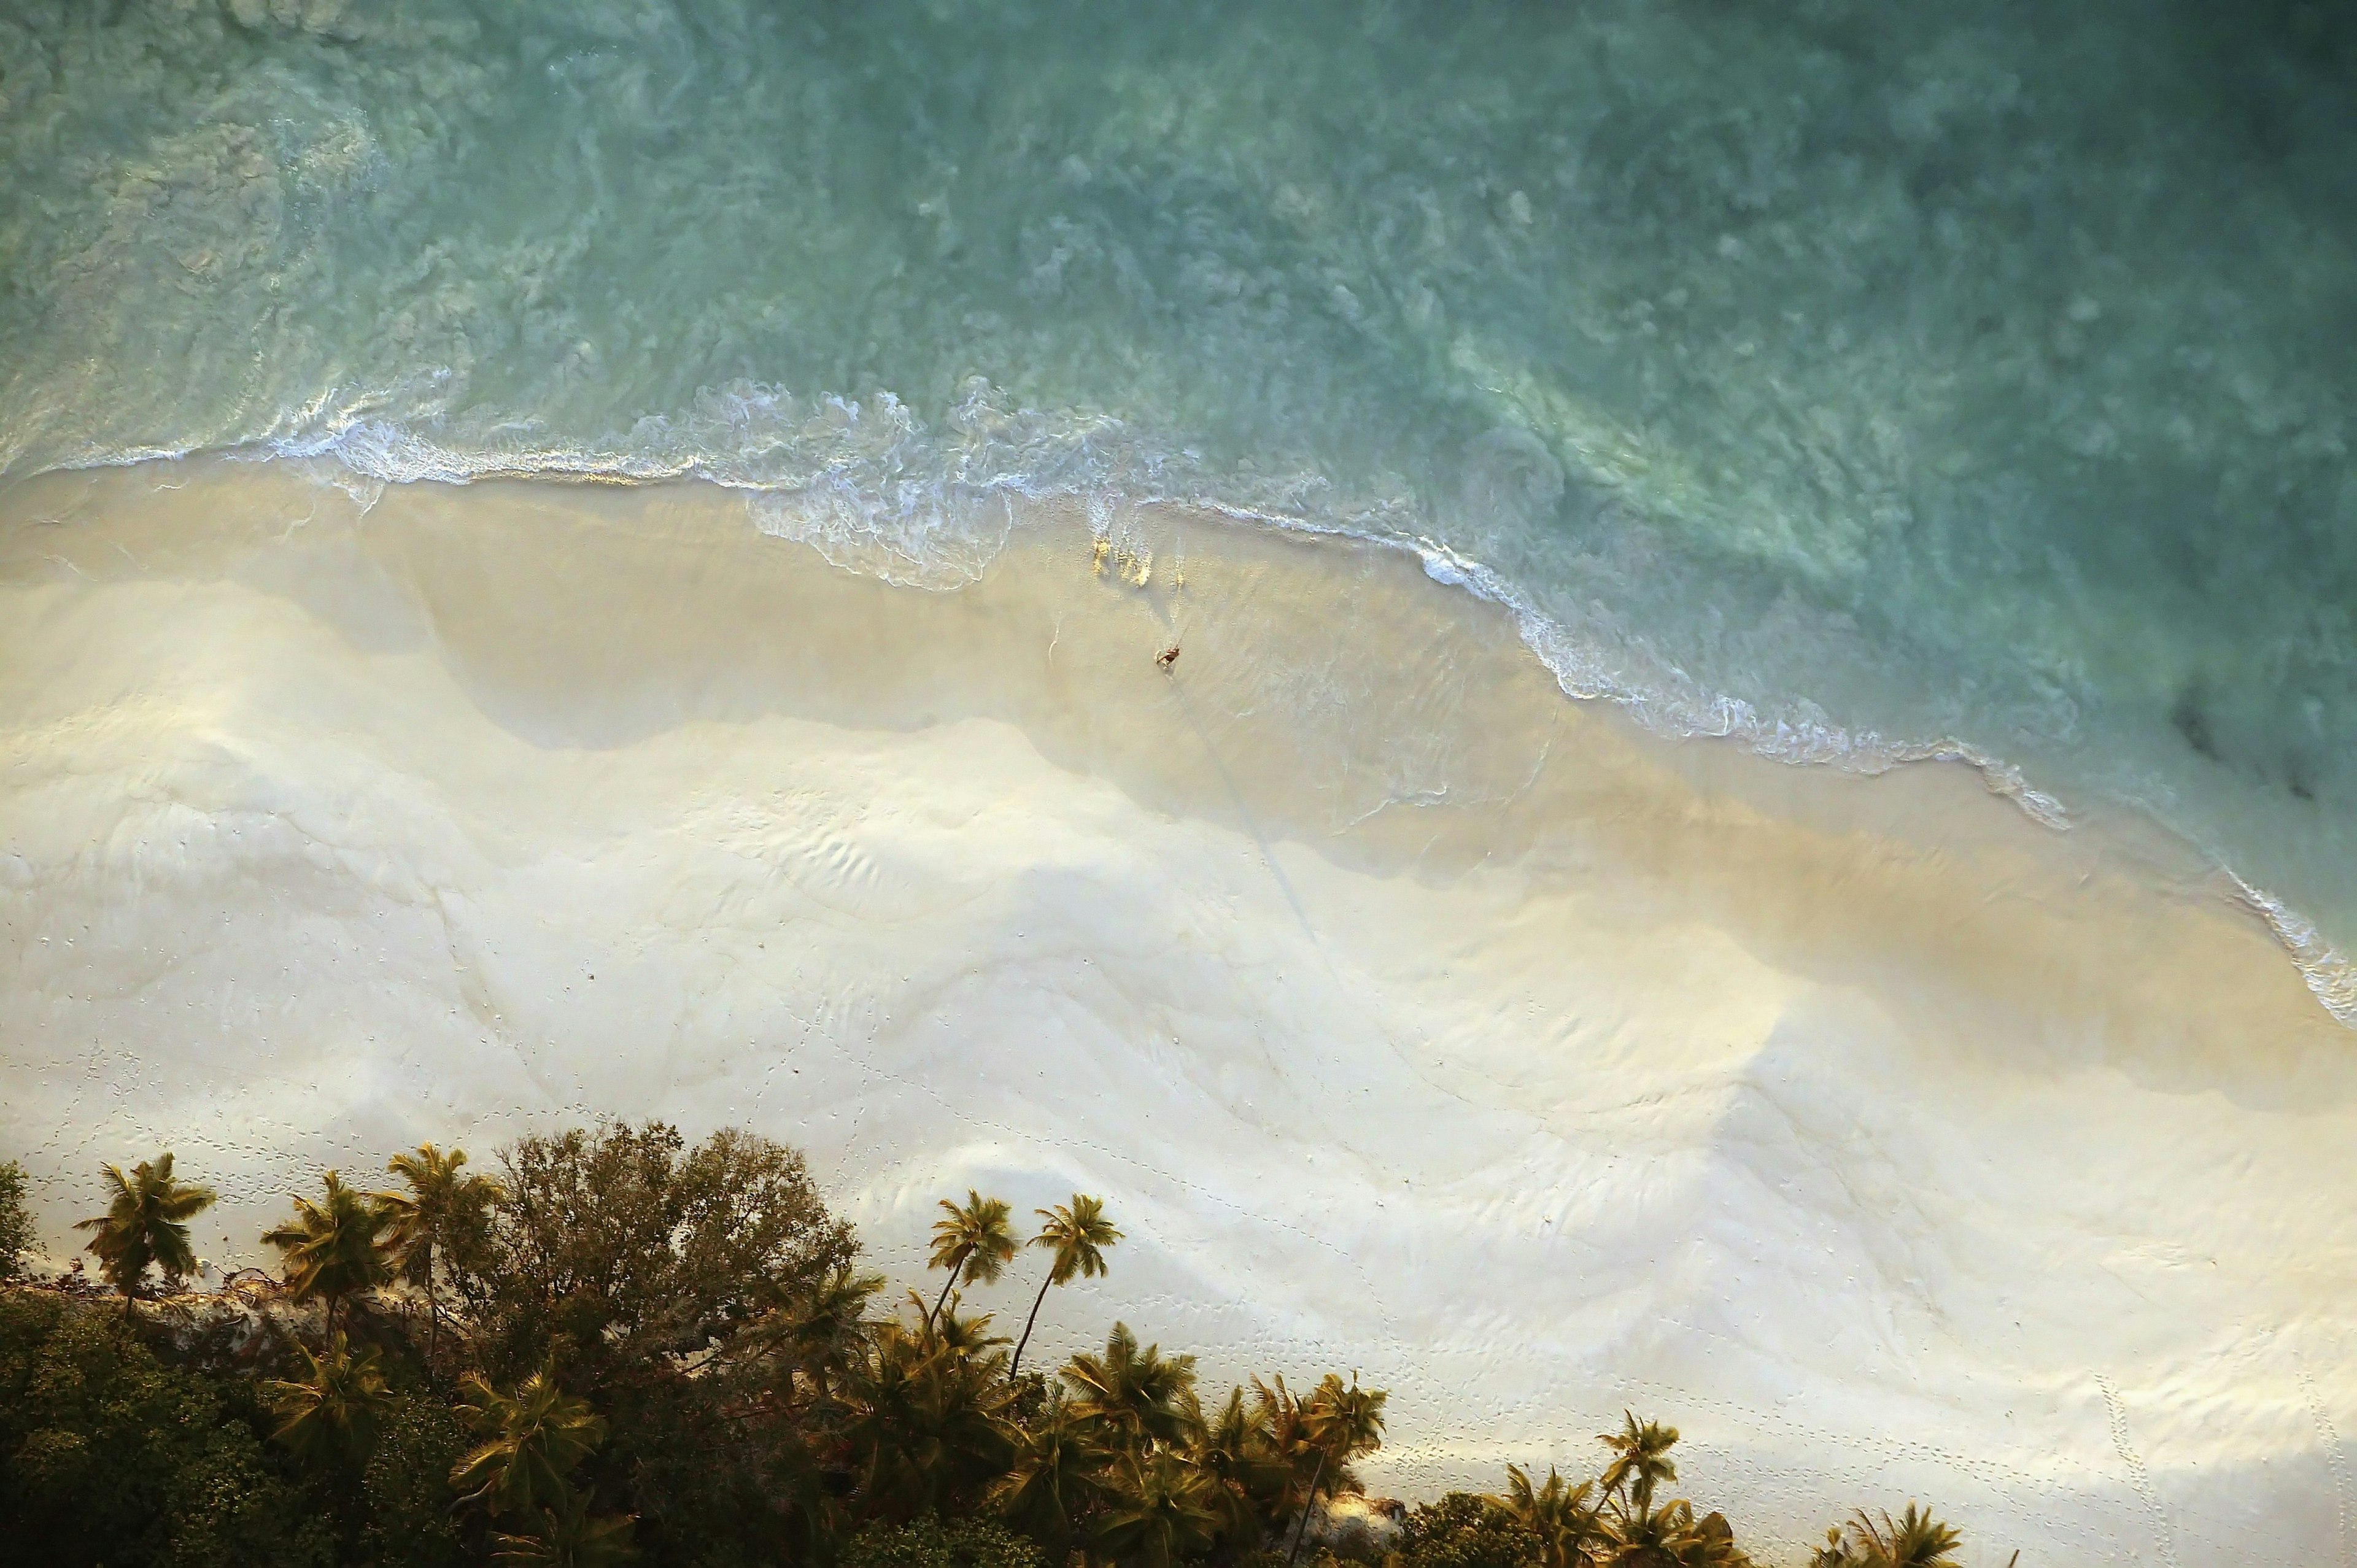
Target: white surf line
pixel 2331 977
pixel 1699 713
pixel 2138 1475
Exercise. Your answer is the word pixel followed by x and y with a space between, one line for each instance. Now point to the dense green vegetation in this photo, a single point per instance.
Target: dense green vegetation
pixel 619 1348
pixel 16 1225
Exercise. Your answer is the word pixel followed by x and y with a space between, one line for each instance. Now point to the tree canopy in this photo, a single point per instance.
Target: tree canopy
pixel 641 1351
pixel 623 1245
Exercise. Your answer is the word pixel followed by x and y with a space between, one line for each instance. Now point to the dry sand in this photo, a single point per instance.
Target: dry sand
pixel 1410 1016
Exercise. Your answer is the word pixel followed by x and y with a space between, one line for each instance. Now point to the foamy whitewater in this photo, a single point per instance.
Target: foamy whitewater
pixel 1499 406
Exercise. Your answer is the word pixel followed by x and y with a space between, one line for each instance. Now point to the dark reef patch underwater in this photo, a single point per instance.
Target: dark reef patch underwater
pixel 1875 382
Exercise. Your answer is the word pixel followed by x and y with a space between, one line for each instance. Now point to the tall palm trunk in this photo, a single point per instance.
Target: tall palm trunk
pixel 1028 1322
pixel 938 1300
pixel 433 1310
pixel 1316 1477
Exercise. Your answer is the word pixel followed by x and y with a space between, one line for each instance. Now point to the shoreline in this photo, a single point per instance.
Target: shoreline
pixel 2329 974
pixel 1771 1096
pixel 1702 715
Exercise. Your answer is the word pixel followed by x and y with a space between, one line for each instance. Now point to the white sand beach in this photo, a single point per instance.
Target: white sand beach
pixel 1410 1016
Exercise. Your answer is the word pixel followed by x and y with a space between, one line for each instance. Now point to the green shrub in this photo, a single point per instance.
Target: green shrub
pixel 1462 1531
pixel 107 1457
pixel 930 1543
pixel 15 1223
pixel 407 1486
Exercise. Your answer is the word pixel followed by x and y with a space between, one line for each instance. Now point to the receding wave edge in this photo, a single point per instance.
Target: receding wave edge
pixel 875 490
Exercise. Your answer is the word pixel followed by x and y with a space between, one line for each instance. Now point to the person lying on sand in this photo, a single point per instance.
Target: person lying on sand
pixel 1167 657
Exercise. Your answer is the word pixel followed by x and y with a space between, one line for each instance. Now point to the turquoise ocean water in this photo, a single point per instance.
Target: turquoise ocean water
pixel 1869 379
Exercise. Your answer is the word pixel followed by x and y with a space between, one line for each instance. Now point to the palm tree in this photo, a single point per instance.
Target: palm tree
pixel 1251 1483
pixel 333 1412
pixel 1641 1461
pixel 439 1218
pixel 1342 1423
pixel 1053 1480
pixel 1137 1396
pixel 1077 1235
pixel 335 1248
pixel 821 1326
pixel 1914 1539
pixel 569 1536
pixel 1281 1416
pixel 1710 1543
pixel 1668 1537
pixel 1158 1511
pixel 1557 1513
pixel 147 1222
pixel 924 1421
pixel 1655 1537
pixel 1294 1441
pixel 533 1440
pixel 968 1336
pixel 971 1242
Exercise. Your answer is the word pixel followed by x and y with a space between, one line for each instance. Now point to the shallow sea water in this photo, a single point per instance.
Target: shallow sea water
pixel 1867 380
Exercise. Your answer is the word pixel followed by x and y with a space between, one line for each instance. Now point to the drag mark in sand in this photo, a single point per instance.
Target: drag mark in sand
pixel 1252 825
pixel 2334 1460
pixel 2137 1475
